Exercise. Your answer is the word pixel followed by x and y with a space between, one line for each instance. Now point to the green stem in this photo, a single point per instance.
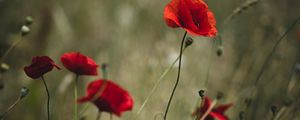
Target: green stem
pixel 75 97
pixel 280 112
pixel 98 115
pixel 10 108
pixel 273 51
pixel 48 97
pixel 10 49
pixel 178 77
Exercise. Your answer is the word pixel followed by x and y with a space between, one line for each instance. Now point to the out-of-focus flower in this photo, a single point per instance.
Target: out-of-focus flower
pixel 216 113
pixel 79 64
pixel 112 98
pixel 191 15
pixel 39 66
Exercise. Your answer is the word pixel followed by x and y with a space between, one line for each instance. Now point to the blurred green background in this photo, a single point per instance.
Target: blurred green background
pixel 132 37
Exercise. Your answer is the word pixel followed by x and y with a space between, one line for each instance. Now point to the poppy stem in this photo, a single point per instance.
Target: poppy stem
pixel 209 109
pixel 111 116
pixel 10 48
pixel 23 93
pixel 280 112
pixel 98 115
pixel 104 71
pixel 178 76
pixel 48 97
pixel 9 109
pixel 75 96
pixel 201 104
pixel 273 50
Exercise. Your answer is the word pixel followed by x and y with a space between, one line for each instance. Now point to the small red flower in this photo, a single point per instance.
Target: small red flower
pixel 39 66
pixel 192 15
pixel 79 64
pixel 216 113
pixel 113 99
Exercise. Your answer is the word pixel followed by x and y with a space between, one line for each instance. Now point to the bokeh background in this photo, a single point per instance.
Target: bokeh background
pixel 132 37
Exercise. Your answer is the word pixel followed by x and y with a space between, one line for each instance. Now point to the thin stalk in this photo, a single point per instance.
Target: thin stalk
pixel 75 97
pixel 84 109
pixel 201 104
pixel 10 108
pixel 209 109
pixel 161 77
pixel 111 116
pixel 10 49
pixel 48 97
pixel 273 51
pixel 280 112
pixel 98 115
pixel 178 76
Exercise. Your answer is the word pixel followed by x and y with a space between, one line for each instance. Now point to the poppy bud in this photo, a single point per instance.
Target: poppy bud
pixel 274 109
pixel 25 30
pixel 28 20
pixel 287 102
pixel 24 92
pixel 4 67
pixel 220 50
pixel 188 41
pixel 201 93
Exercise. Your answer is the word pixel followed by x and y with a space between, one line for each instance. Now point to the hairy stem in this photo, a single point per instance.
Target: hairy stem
pixel 178 76
pixel 48 97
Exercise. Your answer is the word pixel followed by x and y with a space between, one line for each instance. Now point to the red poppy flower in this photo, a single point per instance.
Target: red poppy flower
pixel 192 15
pixel 113 99
pixel 39 66
pixel 79 64
pixel 215 113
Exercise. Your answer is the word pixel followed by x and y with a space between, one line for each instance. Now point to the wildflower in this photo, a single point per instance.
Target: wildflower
pixel 113 98
pixel 39 66
pixel 215 113
pixel 79 64
pixel 191 15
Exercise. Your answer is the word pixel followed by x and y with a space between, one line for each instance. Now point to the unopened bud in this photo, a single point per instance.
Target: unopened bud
pixel 24 91
pixel 274 109
pixel 28 20
pixel 201 93
pixel 25 30
pixel 4 67
pixel 220 50
pixel 188 41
